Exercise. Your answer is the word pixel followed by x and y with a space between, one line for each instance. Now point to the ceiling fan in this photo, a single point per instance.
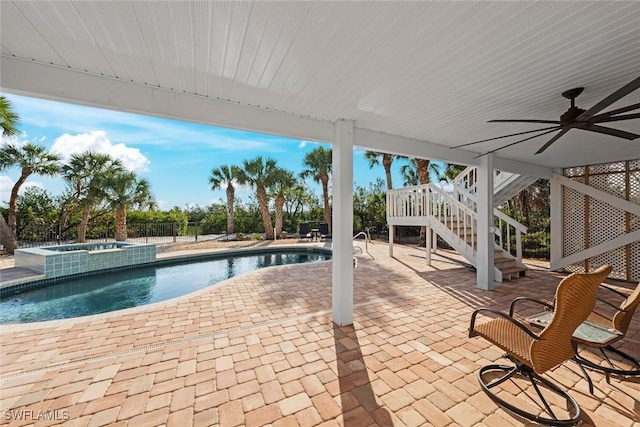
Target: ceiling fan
pixel 577 118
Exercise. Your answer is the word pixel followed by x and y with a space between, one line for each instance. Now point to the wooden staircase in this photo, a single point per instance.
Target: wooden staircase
pixel 453 217
pixel 463 238
pixel 508 265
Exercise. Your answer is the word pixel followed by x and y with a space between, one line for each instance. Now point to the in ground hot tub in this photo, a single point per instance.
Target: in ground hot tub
pixel 63 260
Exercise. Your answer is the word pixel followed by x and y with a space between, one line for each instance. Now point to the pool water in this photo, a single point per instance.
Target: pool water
pixel 102 293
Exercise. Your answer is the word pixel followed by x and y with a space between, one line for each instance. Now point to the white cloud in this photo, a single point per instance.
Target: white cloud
pixel 97 141
pixel 304 143
pixel 6 184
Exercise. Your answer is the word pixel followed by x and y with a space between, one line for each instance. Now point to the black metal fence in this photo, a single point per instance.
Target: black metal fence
pixel 35 235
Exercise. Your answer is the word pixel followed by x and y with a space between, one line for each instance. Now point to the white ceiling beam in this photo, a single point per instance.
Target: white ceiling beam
pixel 67 85
pixel 394 144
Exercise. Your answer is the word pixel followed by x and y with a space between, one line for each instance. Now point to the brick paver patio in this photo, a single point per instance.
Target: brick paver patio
pixel 260 349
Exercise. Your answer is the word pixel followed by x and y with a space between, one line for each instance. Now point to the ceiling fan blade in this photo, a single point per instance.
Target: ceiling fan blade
pixel 596 119
pixel 607 131
pixel 620 93
pixel 518 142
pixel 551 122
pixel 554 139
pixel 614 112
pixel 504 136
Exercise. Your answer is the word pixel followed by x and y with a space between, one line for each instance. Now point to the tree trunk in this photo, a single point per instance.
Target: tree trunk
pixel 423 176
pixel 230 201
pixel 84 221
pixel 121 224
pixel 279 205
pixel 13 205
pixel 386 162
pixel 6 236
pixel 325 195
pixel 264 211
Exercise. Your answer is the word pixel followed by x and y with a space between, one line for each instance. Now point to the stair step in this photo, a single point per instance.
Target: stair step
pixel 499 254
pixel 504 263
pixel 513 272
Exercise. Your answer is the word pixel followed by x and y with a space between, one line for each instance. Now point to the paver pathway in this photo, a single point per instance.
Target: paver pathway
pixel 261 349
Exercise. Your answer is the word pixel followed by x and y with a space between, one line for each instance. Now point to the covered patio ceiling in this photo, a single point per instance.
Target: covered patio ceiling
pixel 429 73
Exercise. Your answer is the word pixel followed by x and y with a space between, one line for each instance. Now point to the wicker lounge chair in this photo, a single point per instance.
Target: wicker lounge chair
pixel 534 354
pixel 600 330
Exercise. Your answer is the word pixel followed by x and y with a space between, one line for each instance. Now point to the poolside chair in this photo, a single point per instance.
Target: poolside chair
pixel 600 330
pixel 533 354
pixel 304 231
pixel 324 230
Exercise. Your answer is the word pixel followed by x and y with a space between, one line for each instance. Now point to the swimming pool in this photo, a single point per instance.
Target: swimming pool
pixel 101 293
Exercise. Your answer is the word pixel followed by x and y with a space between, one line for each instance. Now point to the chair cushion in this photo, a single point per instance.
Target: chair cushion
pixel 508 337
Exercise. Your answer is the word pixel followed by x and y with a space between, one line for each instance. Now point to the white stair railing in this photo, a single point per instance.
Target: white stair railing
pixel 457 213
pixel 456 216
pixel 466 179
pixel 408 202
pixel 505 225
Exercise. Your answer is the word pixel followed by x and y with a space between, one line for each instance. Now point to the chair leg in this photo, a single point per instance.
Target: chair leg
pixel 549 417
pixel 612 368
pixel 585 373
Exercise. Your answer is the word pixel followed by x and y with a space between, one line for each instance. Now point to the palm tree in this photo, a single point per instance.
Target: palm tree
pixel 282 182
pixel 318 162
pixel 219 176
pixel 85 173
pixel 124 190
pixel 409 174
pixel 259 173
pixel 9 120
pixel 31 159
pixel 374 158
pixel 417 173
pixel 451 171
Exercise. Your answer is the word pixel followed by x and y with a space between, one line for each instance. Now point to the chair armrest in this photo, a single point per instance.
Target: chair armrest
pixel 501 314
pixel 615 292
pixel 513 304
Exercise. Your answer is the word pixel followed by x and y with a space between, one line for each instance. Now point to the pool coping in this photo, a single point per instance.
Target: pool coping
pixel 166 260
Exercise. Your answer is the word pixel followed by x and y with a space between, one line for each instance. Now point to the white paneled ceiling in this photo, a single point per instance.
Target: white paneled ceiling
pixel 433 71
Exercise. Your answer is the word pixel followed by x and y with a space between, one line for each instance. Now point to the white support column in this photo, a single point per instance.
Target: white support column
pixel 391 237
pixel 484 254
pixel 342 258
pixel 434 248
pixel 557 232
pixel 428 237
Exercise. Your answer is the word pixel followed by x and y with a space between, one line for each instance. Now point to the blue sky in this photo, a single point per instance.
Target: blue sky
pixel 176 157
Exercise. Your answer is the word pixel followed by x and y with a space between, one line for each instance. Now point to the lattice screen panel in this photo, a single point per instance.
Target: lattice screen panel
pixel 589 221
pixel 574 231
pixel 634 221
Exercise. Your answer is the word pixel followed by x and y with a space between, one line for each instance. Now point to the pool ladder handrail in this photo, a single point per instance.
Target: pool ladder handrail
pixel 366 241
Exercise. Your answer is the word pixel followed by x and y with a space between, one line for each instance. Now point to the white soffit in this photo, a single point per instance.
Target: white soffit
pixel 433 71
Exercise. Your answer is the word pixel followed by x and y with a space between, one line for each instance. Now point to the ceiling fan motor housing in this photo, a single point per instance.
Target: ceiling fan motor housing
pixel 571 114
